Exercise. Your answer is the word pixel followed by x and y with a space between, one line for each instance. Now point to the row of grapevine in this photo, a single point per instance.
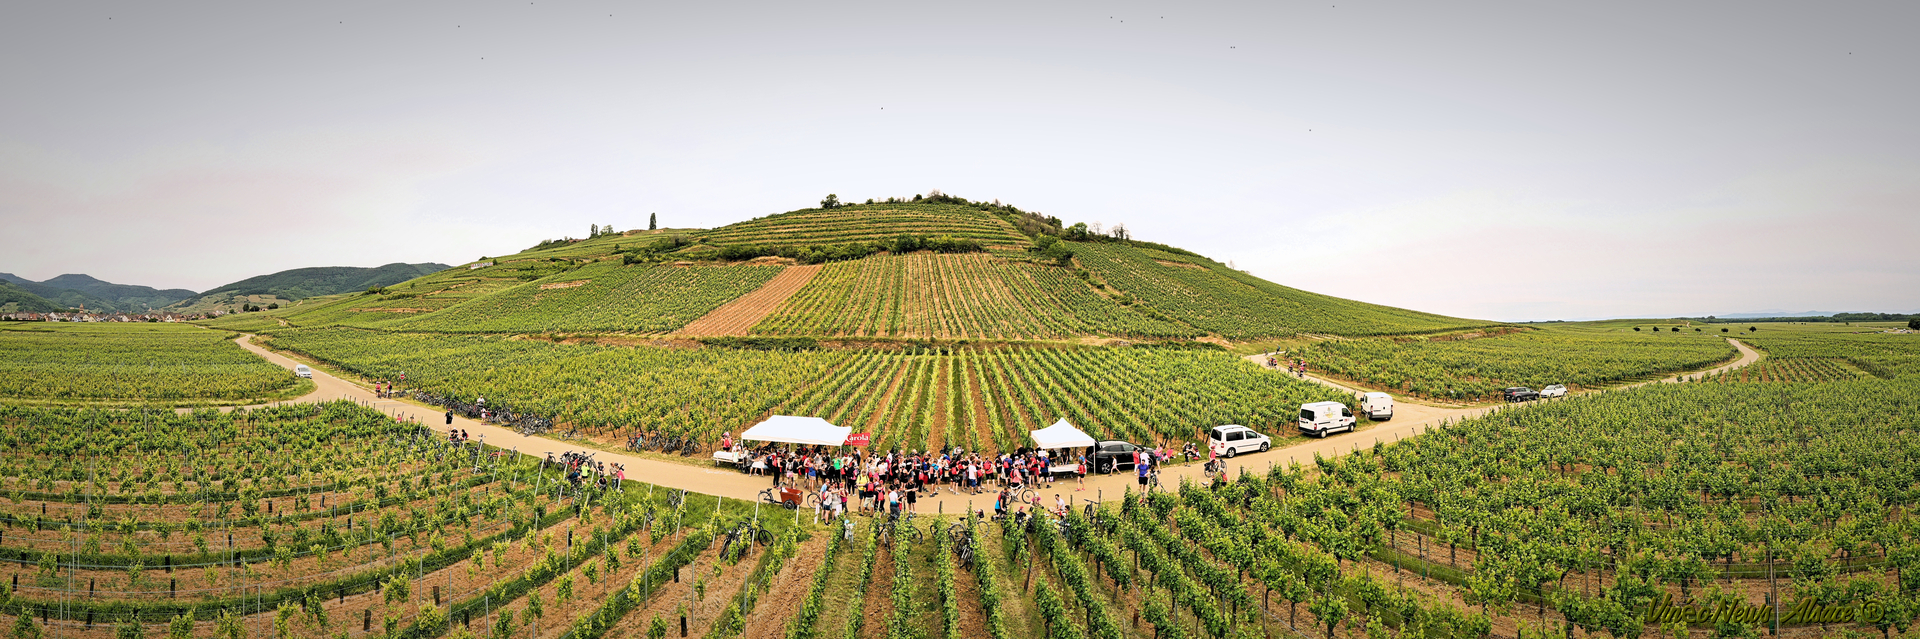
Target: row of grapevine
pixel 146 363
pixel 1478 368
pixel 1216 299
pixel 1793 369
pixel 905 397
pixel 970 296
pixel 604 296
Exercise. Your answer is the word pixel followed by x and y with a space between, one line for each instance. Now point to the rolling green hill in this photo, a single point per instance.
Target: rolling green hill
pixel 74 290
pixel 989 285
pixel 14 299
pixel 302 283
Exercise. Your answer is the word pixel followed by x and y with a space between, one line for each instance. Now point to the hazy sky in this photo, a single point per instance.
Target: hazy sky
pixel 1493 160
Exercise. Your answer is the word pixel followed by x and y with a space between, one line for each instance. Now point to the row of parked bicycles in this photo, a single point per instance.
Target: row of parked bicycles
pixel 670 444
pixel 523 423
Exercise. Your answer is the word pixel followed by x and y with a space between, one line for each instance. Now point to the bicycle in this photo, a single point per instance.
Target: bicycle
pixel 913 532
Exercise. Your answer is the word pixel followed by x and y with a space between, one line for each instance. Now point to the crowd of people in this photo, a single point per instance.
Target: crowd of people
pixel 892 483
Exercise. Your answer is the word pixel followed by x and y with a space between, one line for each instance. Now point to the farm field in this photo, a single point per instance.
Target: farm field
pixel 1795 369
pixel 603 296
pixel 327 520
pixel 1598 506
pixel 971 296
pixel 1476 366
pixel 157 364
pixel 913 398
pixel 1215 299
pixel 736 317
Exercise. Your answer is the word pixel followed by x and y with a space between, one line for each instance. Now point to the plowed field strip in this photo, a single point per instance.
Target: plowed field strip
pixel 735 317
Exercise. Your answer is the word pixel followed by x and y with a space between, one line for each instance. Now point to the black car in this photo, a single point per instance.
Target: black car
pixel 1521 394
pixel 1113 456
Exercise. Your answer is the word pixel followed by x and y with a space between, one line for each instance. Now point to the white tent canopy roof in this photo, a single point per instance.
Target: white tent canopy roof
pixel 797 430
pixel 1061 435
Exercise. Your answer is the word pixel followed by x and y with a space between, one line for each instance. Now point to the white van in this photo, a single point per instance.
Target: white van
pixel 301 370
pixel 1323 418
pixel 1233 439
pixel 1377 406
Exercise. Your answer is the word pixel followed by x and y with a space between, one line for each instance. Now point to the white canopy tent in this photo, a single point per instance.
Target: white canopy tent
pixel 1060 435
pixel 797 430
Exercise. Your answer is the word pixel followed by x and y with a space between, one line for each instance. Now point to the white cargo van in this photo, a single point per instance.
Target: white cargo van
pixel 1323 418
pixel 1377 406
pixel 301 370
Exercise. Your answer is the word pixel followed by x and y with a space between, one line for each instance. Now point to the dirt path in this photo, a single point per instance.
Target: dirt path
pixel 735 317
pixel 1409 419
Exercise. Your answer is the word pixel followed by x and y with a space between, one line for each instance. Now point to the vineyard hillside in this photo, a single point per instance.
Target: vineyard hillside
pixel 869 223
pixel 941 269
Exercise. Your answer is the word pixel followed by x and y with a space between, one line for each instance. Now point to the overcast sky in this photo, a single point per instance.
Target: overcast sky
pixel 1507 161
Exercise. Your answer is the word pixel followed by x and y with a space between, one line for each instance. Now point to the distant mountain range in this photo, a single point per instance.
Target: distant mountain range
pixel 73 291
pixel 1776 314
pixel 302 283
pixel 14 299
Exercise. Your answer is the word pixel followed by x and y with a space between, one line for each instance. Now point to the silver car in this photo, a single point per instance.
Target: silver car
pixel 1553 390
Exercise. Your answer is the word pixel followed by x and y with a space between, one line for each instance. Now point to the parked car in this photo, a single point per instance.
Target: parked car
pixel 1324 418
pixel 301 370
pixel 1233 439
pixel 1554 390
pixel 1521 394
pixel 1113 456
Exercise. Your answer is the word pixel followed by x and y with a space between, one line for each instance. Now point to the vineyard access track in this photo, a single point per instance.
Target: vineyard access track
pixel 735 317
pixel 1410 419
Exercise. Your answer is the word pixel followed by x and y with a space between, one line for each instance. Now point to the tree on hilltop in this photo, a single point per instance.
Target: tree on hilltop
pixel 653 221
pixel 832 201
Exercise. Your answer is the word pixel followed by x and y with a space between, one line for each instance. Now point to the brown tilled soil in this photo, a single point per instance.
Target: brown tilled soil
pixel 973 616
pixel 788 590
pixel 879 602
pixel 735 317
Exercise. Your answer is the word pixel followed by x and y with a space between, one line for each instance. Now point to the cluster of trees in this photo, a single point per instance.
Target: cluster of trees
pixel 252 308
pixel 1051 248
pixel 806 253
pixel 1911 318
